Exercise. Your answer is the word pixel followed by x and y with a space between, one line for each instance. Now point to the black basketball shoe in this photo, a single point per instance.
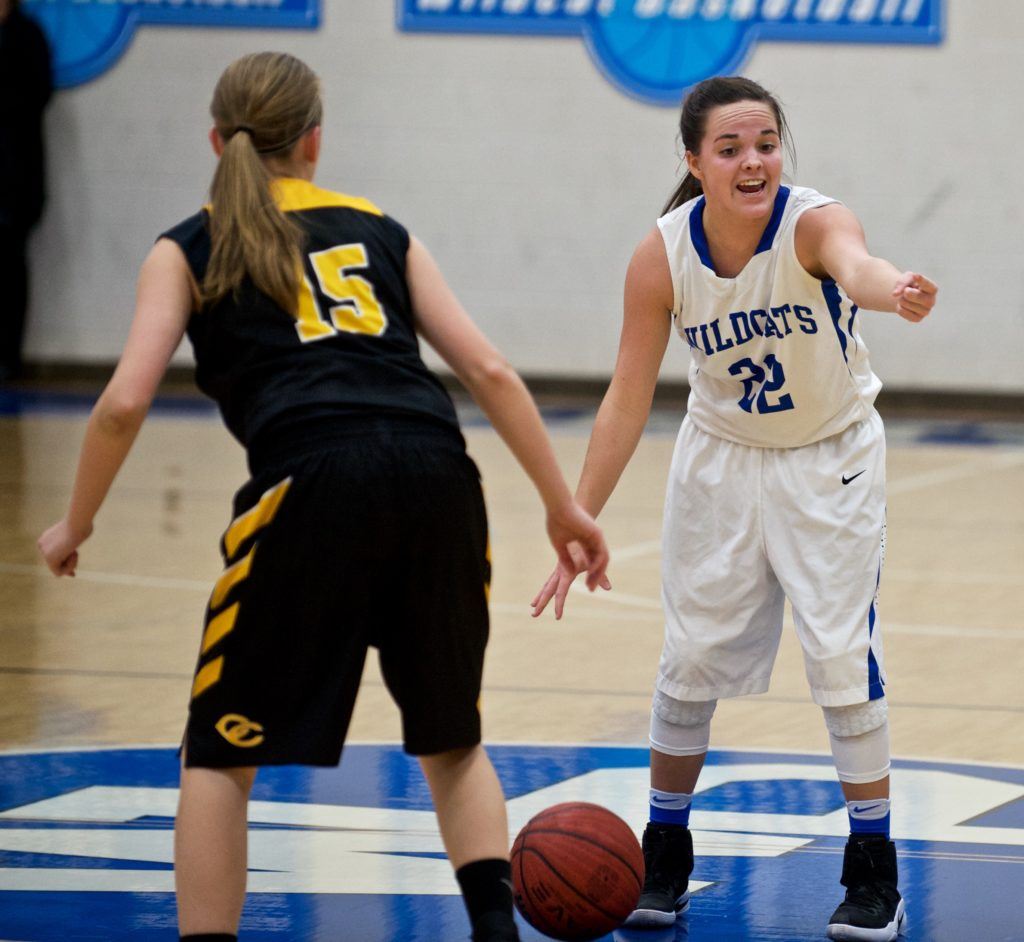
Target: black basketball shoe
pixel 668 861
pixel 873 909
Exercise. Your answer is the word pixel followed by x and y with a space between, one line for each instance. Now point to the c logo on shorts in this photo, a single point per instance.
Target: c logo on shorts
pixel 240 730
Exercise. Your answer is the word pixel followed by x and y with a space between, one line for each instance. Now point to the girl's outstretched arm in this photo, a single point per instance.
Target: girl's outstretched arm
pixel 164 301
pixel 830 244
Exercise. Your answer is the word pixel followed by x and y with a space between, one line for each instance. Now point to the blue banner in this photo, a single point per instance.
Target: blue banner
pixel 88 36
pixel 656 49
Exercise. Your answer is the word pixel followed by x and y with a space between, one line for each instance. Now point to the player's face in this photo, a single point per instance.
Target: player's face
pixel 740 159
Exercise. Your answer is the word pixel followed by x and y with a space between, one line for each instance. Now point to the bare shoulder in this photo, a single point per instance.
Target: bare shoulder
pixel 816 227
pixel 166 257
pixel 819 221
pixel 166 269
pixel 649 275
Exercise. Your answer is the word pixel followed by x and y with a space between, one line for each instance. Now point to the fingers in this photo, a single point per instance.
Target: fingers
pixel 916 296
pixel 541 599
pixel 564 582
pixel 597 563
pixel 565 560
pixel 925 284
pixel 904 281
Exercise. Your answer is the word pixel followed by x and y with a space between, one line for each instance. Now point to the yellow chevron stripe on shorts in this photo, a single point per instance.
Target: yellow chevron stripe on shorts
pixel 207 676
pixel 256 518
pixel 230 578
pixel 219 627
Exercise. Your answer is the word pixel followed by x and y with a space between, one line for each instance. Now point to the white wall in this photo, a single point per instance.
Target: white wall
pixel 532 178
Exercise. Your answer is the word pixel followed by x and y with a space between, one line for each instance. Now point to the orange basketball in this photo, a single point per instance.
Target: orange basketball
pixel 577 870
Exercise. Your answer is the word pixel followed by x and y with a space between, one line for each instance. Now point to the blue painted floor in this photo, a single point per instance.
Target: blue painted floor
pixel 95 863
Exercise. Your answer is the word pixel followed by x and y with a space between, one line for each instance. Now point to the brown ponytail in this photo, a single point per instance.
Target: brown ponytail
pixel 712 92
pixel 262 105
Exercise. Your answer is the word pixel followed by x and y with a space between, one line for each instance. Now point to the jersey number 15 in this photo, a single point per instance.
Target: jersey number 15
pixel 355 308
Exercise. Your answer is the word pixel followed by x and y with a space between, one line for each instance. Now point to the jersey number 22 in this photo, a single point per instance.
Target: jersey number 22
pixel 756 382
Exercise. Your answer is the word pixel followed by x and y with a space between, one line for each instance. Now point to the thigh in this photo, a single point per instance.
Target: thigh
pixel 287 625
pixel 433 630
pixel 825 531
pixel 723 605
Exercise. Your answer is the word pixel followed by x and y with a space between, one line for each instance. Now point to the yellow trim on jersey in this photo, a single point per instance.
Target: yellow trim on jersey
pixel 487 582
pixel 208 675
pixel 294 195
pixel 247 524
pixel 230 578
pixel 219 627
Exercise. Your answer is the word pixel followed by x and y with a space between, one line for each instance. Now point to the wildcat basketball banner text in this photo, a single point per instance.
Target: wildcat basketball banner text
pixel 655 49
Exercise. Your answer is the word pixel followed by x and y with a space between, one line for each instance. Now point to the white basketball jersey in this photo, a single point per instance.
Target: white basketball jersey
pixel 777 360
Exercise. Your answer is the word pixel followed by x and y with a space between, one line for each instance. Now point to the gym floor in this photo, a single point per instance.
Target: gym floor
pixel 95 675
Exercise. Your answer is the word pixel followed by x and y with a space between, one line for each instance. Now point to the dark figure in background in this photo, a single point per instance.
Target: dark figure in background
pixel 25 88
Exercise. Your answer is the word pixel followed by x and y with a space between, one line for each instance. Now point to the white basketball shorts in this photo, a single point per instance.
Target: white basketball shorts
pixel 745 528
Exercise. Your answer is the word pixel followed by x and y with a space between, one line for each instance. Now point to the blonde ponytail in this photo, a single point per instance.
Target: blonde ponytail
pixel 262 105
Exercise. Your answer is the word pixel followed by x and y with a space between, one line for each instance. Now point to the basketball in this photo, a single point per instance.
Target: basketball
pixel 577 870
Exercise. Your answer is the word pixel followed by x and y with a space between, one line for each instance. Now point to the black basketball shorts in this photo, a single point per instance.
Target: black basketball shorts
pixel 380 540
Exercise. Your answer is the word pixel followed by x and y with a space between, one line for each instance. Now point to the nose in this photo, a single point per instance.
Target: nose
pixel 752 158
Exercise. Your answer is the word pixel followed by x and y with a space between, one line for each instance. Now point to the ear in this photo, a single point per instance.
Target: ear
pixel 693 164
pixel 311 145
pixel 216 142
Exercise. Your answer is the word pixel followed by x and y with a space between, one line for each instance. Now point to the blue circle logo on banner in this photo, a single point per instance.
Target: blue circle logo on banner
pixel 88 36
pixel 655 49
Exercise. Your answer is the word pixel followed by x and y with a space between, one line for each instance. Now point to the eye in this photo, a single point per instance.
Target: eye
pixel 727 151
pixel 768 147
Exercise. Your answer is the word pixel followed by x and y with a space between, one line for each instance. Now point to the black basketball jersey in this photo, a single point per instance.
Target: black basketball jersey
pixel 350 353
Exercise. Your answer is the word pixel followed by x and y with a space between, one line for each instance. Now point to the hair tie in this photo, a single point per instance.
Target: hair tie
pixel 244 128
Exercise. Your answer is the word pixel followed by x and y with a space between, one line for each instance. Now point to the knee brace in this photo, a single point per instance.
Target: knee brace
pixel 681 727
pixel 859 735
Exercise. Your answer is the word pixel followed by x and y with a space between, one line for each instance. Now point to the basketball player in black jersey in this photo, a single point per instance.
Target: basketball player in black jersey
pixel 362 523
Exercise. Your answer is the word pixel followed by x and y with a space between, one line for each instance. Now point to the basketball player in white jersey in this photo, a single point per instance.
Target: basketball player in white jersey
pixel 777 484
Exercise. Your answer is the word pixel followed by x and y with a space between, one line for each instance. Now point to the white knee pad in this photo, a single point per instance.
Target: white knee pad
pixel 859 735
pixel 681 727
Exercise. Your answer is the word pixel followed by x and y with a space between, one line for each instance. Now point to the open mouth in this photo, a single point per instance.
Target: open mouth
pixel 752 186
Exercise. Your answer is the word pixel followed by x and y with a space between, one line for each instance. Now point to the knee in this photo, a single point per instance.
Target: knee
pixel 857 719
pixel 681 727
pixel 859 734
pixel 437 763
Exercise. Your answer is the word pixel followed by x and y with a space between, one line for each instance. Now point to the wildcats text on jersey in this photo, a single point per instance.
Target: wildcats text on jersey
pixel 741 327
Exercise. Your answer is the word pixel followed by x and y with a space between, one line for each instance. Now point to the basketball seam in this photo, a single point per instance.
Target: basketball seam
pixel 526 888
pixel 586 899
pixel 592 842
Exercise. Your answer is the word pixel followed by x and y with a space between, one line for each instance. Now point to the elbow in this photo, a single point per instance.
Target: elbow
pixel 490 374
pixel 118 415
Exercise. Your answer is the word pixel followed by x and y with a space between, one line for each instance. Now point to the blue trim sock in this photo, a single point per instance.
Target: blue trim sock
pixel 670 807
pixel 869 816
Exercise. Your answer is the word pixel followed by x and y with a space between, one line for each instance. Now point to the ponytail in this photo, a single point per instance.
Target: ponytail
pixel 689 188
pixel 263 104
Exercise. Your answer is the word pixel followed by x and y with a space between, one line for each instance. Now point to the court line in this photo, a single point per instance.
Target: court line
pixel 646 605
pixel 577 744
pixel 923 855
pixel 112 578
pixel 925 479
pixel 506 688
